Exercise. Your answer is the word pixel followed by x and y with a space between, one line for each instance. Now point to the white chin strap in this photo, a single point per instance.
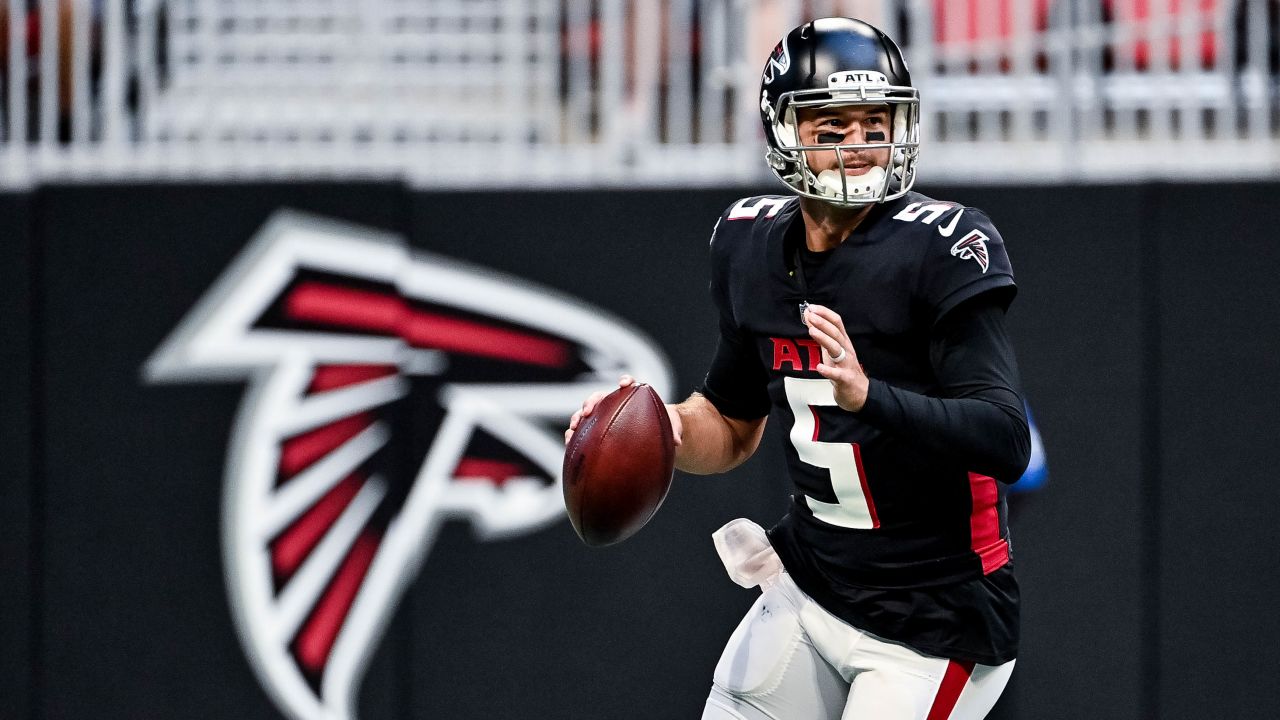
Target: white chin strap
pixel 866 187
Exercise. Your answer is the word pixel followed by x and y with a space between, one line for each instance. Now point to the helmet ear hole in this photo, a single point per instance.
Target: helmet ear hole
pixel 784 128
pixel 787 135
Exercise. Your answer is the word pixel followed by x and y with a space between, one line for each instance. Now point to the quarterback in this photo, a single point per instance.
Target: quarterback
pixel 869 321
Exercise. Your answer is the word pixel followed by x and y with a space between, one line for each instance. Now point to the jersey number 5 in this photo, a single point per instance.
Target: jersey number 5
pixel 853 507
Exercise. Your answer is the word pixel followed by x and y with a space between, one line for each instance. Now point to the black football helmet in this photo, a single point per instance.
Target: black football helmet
pixel 831 62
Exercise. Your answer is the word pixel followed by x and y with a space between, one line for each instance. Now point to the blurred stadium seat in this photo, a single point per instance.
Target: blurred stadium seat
pixel 554 93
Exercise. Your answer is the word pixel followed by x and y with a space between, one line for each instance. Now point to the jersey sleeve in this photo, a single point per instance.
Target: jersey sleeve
pixel 967 261
pixel 736 382
pixel 978 416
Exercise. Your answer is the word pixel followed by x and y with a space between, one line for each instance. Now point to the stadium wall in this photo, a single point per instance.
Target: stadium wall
pixel 1146 328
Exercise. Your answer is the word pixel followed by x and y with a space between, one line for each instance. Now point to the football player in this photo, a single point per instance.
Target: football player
pixel 869 320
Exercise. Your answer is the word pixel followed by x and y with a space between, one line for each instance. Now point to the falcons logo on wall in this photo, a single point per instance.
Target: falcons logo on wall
pixel 389 390
pixel 973 247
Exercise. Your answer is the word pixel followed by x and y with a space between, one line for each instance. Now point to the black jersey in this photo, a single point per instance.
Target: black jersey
pixel 885 530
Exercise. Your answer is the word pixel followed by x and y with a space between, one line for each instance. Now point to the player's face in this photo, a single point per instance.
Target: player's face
pixel 855 125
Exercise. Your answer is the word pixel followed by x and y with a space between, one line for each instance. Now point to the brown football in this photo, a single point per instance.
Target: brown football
pixel 618 466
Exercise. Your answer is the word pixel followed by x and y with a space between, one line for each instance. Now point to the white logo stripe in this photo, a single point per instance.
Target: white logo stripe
pixel 546 451
pixel 550 400
pixel 312 411
pixel 306 586
pixel 302 491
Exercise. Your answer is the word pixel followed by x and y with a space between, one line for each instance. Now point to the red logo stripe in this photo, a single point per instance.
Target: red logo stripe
pixel 379 313
pixel 496 471
pixel 332 377
pixel 953 682
pixel 346 307
pixel 298 452
pixel 429 330
pixel 299 539
pixel 984 523
pixel 315 640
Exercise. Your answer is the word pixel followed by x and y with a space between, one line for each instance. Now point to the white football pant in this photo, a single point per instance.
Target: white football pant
pixel 790 659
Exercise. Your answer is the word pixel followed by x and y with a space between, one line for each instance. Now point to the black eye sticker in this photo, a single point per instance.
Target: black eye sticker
pixel 828 138
pixel 875 137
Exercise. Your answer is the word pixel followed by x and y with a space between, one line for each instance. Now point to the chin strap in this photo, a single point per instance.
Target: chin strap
pixel 857 188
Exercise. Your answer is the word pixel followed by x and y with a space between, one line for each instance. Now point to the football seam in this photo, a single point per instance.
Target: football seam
pixel 586 498
pixel 621 405
pixel 663 420
pixel 574 450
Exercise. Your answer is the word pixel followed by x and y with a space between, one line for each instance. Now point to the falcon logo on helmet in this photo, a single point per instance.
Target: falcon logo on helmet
pixel 779 62
pixel 839 62
pixel 389 391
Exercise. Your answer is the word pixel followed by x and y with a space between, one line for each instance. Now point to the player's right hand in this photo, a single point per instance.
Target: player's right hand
pixel 594 399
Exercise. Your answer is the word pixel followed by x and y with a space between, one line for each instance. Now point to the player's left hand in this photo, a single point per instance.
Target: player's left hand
pixel 839 360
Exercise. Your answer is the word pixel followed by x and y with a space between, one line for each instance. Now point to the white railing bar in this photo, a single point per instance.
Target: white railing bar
pixel 612 77
pixel 577 125
pixel 714 72
pixel 746 100
pixel 920 61
pixel 1255 79
pixel 81 57
pixel 989 61
pixel 955 27
pixel 679 90
pixel 518 74
pixel 209 66
pixel 115 73
pixel 546 51
pixel 1123 42
pixel 1022 65
pixel 1062 67
pixel 1090 107
pixel 1158 32
pixel 643 108
pixel 546 91
pixel 1190 61
pixel 1224 114
pixel 145 68
pixel 50 98
pixel 16 83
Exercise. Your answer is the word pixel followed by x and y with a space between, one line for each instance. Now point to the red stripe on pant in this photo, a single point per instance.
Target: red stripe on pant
pixel 953 682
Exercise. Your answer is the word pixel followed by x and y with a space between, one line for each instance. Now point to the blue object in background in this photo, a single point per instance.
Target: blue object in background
pixel 1037 473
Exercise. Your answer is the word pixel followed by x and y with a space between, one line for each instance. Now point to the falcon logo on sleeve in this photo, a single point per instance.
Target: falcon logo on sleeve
pixel 973 247
pixel 388 391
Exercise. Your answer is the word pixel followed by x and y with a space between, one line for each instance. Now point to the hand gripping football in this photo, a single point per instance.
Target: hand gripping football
pixel 618 466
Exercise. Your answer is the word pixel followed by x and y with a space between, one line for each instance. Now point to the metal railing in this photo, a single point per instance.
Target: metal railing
pixel 533 93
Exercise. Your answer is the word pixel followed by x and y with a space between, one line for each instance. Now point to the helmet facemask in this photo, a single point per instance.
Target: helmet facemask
pixel 789 158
